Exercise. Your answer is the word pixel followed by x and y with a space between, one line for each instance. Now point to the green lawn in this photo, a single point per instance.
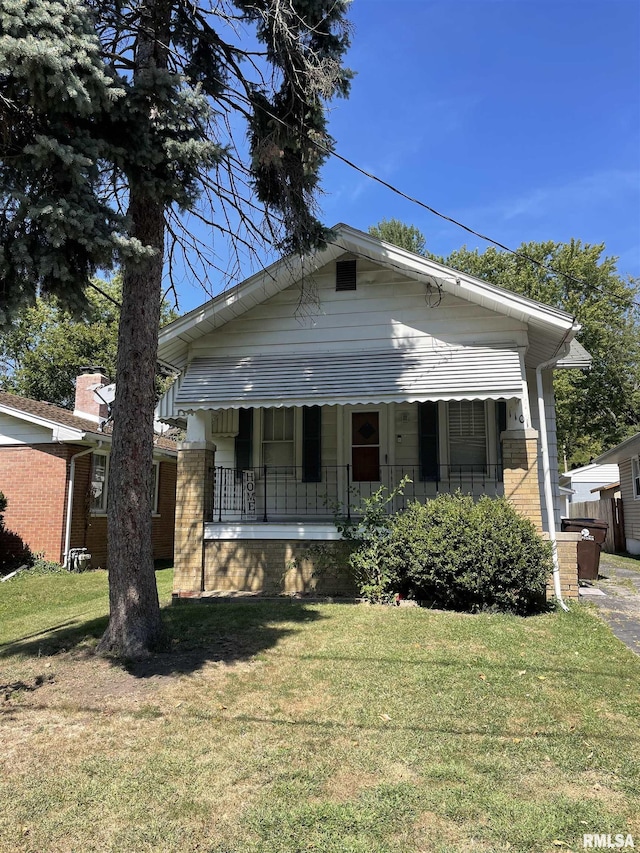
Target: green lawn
pixel 274 727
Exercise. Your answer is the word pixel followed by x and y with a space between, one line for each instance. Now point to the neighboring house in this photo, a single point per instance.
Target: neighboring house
pixel 315 382
pixel 626 456
pixel 54 466
pixel 584 481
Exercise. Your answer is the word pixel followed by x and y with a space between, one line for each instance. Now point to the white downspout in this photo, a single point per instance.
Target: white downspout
pixel 72 473
pixel 546 473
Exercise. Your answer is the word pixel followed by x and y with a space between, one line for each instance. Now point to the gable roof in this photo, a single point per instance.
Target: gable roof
pixel 553 327
pixel 625 450
pixel 74 428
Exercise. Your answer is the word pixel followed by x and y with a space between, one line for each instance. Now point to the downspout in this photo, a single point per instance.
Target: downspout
pixel 72 473
pixel 563 349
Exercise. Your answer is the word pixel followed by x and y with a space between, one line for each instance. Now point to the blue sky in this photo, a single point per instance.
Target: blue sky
pixel 520 118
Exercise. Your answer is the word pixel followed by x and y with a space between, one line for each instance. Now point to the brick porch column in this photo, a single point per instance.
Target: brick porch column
pixel 520 464
pixel 194 506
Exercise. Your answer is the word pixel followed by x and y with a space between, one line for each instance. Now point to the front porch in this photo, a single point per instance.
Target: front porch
pixel 271 494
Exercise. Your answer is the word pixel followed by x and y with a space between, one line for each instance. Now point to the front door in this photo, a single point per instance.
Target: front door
pixel 365 447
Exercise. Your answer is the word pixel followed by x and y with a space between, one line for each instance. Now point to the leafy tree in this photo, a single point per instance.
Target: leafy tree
pixel 400 234
pixel 595 409
pixel 114 118
pixel 44 348
pixel 600 407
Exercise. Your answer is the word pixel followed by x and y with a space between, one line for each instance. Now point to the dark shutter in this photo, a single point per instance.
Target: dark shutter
pixel 428 441
pixel 311 444
pixel 346 275
pixel 244 440
pixel 501 425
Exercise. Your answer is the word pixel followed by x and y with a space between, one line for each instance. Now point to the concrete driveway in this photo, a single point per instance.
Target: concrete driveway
pixel 619 606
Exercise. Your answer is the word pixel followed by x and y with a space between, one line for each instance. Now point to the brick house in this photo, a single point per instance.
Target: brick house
pixel 54 466
pixel 316 381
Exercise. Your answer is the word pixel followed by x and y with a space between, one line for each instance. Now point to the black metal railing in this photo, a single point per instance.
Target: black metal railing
pixel 274 493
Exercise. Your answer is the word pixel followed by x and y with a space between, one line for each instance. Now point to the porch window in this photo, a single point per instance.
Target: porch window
pixel 467 435
pixel 99 474
pixel 277 438
pixel 635 476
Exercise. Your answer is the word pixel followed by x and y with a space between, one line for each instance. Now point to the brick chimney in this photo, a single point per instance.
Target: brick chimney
pixel 87 405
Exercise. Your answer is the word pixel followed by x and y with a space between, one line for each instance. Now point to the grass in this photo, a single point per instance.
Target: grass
pixel 282 727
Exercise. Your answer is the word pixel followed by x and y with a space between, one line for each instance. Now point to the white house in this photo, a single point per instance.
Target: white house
pixel 626 457
pixel 584 481
pixel 313 383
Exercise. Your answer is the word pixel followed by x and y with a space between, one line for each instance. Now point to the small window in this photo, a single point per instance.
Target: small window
pixel 346 275
pixel 99 474
pixel 635 475
pixel 155 485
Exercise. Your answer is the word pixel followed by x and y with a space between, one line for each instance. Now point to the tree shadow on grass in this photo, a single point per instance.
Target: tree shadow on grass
pixel 224 633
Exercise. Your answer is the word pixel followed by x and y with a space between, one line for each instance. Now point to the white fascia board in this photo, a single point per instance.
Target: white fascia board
pixel 242 297
pixel 71 433
pixel 625 450
pixel 455 282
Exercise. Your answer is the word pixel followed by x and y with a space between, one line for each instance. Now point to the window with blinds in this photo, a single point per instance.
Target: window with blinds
pixel 467 434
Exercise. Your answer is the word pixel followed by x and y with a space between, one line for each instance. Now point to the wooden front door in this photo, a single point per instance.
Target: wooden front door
pixel 365 447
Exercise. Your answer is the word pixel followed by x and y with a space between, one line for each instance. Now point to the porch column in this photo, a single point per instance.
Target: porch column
pixel 520 464
pixel 194 505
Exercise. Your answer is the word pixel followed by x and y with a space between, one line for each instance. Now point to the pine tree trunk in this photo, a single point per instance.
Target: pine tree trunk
pixel 135 626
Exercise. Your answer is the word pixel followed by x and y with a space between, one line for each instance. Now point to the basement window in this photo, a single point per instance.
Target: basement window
pixel 346 275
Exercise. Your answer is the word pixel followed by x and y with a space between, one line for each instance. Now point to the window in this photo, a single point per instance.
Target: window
pixel 99 474
pixel 346 275
pixel 277 438
pixel 100 477
pixel 635 476
pixel 154 485
pixel 467 436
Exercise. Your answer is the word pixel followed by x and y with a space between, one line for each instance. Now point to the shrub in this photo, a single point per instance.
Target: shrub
pixel 455 553
pixel 370 559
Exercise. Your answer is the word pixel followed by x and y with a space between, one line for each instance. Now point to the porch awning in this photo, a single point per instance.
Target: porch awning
pixel 358 377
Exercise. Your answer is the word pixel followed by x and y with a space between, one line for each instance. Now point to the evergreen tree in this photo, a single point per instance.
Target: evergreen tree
pixel 113 117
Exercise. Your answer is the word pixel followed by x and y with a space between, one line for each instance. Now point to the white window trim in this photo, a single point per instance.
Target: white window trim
pixel 156 484
pixel 102 509
pixel 635 477
pixel 156 487
pixel 258 421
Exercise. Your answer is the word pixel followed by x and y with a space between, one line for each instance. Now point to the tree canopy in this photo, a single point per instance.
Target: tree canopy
pixel 114 119
pixel 400 234
pixel 597 408
pixel 44 348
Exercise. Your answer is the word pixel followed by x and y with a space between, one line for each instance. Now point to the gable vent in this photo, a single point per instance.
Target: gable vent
pixel 346 275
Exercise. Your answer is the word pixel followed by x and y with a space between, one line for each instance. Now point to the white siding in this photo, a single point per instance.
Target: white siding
pixel 18 431
pixel 386 308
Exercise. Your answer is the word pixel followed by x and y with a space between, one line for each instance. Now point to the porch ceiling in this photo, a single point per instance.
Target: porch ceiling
pixel 364 377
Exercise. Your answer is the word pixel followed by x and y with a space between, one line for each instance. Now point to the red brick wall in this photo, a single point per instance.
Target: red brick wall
pixel 164 524
pixel 34 481
pixel 90 531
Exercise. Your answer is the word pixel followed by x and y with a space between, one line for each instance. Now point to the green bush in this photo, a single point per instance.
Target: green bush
pixel 370 533
pixel 453 552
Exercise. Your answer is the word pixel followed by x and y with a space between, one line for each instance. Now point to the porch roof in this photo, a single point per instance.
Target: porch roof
pixel 356 377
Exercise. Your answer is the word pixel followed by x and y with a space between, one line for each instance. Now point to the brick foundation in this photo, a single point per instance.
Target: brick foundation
pixel 194 506
pixel 520 463
pixel 568 560
pixel 276 567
